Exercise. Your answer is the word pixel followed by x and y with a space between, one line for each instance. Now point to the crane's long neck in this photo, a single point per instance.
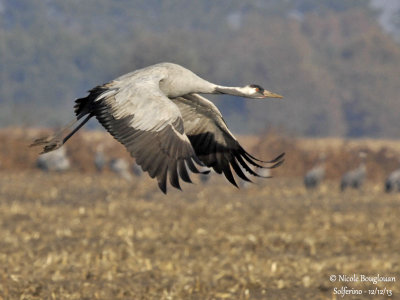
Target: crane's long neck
pixel 181 81
pixel 231 90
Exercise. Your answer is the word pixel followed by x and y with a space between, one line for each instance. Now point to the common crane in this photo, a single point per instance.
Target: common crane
pixel 392 182
pixel 57 161
pixel 100 159
pixel 158 115
pixel 121 167
pixel 355 178
pixel 205 178
pixel 315 176
pixel 136 170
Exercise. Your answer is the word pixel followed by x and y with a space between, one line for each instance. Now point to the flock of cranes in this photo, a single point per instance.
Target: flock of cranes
pixel 353 178
pixel 58 161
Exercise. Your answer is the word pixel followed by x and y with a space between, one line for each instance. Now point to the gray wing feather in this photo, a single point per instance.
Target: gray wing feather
pixel 212 141
pixel 150 126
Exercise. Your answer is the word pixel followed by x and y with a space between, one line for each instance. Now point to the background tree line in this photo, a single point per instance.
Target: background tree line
pixel 336 67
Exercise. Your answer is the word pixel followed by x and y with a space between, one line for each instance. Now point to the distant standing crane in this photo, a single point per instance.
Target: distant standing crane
pixel 355 178
pixel 121 167
pixel 205 178
pixel 54 161
pixel 100 159
pixel 136 170
pixel 392 182
pixel 314 177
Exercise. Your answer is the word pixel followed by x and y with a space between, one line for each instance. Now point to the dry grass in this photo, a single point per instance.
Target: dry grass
pixel 74 236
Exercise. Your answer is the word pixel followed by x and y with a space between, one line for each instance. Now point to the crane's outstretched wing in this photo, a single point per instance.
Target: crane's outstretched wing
pixel 148 124
pixel 212 141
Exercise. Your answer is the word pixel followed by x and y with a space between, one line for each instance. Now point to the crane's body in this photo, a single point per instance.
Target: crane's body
pixel 314 177
pixel 120 167
pixel 158 115
pixel 55 161
pixel 354 178
pixel 100 160
pixel 392 182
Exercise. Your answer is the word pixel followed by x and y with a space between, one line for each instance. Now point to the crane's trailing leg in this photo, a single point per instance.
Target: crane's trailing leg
pixel 50 143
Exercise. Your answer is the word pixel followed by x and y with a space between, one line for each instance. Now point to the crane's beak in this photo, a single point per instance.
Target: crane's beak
pixel 268 94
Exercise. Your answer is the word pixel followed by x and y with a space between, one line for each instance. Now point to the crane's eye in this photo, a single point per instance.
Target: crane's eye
pixel 256 88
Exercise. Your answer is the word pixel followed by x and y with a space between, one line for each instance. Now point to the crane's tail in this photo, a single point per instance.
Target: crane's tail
pixel 50 143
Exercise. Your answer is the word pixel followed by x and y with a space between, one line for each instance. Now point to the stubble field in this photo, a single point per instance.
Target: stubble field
pixel 82 235
pixel 74 236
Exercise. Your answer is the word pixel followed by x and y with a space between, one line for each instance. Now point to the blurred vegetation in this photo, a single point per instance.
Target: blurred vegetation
pixel 331 60
pixel 301 154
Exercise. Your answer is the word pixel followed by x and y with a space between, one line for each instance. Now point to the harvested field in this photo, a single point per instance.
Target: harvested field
pixel 82 236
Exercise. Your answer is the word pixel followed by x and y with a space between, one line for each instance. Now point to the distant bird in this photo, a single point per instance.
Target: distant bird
pixel 158 115
pixel 205 178
pixel 121 167
pixel 100 159
pixel 314 177
pixel 136 170
pixel 54 161
pixel 355 178
pixel 392 183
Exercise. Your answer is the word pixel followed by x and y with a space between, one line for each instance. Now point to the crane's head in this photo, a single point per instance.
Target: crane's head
pixel 257 92
pixel 249 91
